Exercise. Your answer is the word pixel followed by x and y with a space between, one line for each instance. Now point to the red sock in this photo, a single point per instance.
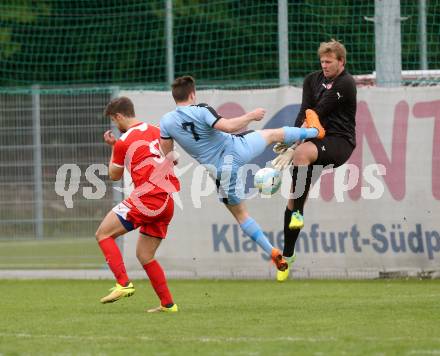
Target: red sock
pixel 114 259
pixel 159 282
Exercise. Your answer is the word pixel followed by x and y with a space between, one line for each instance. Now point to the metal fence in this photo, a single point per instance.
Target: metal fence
pixel 38 134
pixel 222 43
pixel 41 131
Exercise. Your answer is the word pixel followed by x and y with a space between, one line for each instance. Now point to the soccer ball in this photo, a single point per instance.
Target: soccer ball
pixel 267 181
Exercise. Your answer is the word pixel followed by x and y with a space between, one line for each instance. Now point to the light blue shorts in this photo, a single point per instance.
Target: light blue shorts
pixel 230 178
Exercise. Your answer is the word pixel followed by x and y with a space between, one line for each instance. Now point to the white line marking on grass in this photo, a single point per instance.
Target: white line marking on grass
pixel 257 339
pixel 399 338
pixel 424 352
pixel 231 339
pixel 188 339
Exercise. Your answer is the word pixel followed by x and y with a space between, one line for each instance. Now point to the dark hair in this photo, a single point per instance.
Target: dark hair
pixel 122 105
pixel 182 87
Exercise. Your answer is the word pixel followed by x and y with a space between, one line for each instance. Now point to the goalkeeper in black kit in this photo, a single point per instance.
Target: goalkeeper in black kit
pixel 330 95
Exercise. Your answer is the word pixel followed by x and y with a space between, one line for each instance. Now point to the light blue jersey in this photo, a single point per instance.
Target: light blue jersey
pixel 192 128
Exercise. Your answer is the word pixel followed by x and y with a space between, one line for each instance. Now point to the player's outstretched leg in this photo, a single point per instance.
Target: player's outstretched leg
pixel 113 257
pixel 297 218
pixel 110 228
pixel 283 275
pixel 159 283
pixel 296 221
pixel 278 259
pixel 290 237
pixel 145 251
pixel 312 121
pixel 254 231
pixel 290 135
pixel 160 308
pixel 294 134
pixel 118 292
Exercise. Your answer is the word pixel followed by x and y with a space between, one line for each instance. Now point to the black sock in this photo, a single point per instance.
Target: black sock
pixel 290 236
pixel 299 202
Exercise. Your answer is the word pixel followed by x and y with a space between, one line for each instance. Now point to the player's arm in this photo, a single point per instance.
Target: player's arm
pixel 240 122
pixel 213 119
pixel 167 149
pixel 307 101
pixel 115 170
pixel 166 143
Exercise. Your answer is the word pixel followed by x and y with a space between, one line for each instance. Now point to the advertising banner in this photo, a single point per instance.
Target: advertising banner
pixel 377 213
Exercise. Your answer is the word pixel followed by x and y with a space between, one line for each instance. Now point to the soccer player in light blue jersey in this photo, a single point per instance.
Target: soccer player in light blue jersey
pixel 206 136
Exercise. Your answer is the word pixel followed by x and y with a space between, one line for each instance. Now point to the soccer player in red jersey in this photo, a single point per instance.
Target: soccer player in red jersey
pixel 150 206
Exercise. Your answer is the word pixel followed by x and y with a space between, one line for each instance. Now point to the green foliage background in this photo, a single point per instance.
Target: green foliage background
pixel 93 42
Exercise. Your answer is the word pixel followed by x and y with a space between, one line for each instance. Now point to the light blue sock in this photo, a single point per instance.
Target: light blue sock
pixel 293 134
pixel 253 230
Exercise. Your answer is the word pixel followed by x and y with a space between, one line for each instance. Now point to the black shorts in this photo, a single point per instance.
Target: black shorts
pixel 332 150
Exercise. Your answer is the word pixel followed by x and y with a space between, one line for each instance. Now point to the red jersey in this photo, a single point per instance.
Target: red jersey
pixel 138 150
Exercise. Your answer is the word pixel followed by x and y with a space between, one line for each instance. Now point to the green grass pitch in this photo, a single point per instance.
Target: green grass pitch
pixel 69 253
pixel 381 317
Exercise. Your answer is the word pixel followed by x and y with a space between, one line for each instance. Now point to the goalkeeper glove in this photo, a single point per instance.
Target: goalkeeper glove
pixel 280 148
pixel 284 159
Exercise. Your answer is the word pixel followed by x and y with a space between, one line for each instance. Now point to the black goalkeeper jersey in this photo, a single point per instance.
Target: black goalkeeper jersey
pixel 334 101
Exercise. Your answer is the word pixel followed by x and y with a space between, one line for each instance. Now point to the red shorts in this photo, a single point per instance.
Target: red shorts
pixel 152 214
